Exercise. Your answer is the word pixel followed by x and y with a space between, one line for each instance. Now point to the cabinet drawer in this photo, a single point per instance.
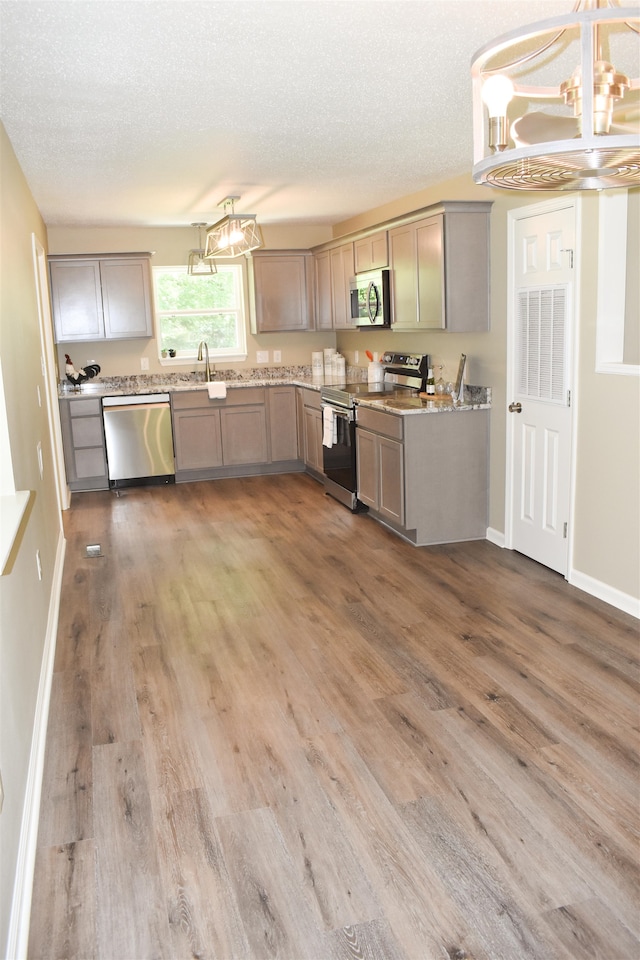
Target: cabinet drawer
pixel 90 463
pixel 85 408
pixel 384 423
pixel 311 398
pixel 87 432
pixel 199 399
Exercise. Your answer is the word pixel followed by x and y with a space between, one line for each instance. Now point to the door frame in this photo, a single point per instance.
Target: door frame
pixel 513 217
pixel 50 373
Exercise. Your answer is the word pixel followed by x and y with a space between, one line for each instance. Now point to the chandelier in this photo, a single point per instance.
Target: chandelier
pixel 235 234
pixel 551 112
pixel 197 266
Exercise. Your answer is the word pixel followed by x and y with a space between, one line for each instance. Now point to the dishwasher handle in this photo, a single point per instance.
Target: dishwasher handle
pixel 136 400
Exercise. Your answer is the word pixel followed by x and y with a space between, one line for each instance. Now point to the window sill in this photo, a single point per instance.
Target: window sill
pixel 13 507
pixel 189 361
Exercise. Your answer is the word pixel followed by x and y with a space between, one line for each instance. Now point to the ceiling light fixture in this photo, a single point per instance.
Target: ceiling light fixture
pixel 235 234
pixel 197 265
pixel 588 135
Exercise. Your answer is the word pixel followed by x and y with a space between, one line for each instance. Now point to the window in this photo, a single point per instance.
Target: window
pixel 190 309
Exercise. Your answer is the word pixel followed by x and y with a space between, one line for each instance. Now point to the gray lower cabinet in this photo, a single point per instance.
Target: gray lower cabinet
pixel 252 431
pixel 85 454
pixel 310 431
pixel 380 466
pixel 283 432
pixel 197 439
pixel 425 475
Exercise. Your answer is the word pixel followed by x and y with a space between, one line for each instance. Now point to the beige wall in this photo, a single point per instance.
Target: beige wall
pixel 171 247
pixel 607 509
pixel 24 599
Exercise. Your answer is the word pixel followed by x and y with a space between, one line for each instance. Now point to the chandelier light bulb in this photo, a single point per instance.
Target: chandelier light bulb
pixel 497 93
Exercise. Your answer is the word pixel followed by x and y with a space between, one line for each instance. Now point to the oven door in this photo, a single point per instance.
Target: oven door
pixel 339 458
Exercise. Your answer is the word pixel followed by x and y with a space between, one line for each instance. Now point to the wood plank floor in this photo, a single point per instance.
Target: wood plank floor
pixel 278 731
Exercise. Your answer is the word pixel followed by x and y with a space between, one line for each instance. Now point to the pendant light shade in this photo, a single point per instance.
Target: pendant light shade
pixel 551 111
pixel 235 234
pixel 197 266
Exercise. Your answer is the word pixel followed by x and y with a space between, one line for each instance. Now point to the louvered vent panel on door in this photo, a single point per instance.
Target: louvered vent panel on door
pixel 542 315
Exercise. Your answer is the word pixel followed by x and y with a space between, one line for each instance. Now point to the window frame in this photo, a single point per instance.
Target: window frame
pixel 216 355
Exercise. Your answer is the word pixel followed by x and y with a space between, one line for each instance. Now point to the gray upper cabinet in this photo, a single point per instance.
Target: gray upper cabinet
pixel 440 269
pixel 372 252
pixel 101 298
pixel 281 287
pixel 334 269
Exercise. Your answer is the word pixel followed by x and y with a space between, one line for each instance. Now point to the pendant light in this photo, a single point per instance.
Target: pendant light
pixel 197 265
pixel 235 234
pixel 579 132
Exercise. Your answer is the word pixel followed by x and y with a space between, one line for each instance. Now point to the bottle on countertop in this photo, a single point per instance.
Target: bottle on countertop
pixel 431 383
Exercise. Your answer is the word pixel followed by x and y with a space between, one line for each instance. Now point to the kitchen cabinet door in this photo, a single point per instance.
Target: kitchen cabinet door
pixel 380 468
pixel 283 433
pixel 341 273
pixel 76 300
pixel 404 277
pixel 367 467
pixel 197 439
pixel 313 439
pixel 126 298
pixel 324 308
pixel 372 252
pixel 244 435
pixel 282 291
pixel 391 479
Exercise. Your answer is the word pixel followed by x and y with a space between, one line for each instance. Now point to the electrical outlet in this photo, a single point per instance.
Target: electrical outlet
pixel 262 356
pixel 144 363
pixel 39 564
pixel 356 357
pixel 40 463
pixel 277 356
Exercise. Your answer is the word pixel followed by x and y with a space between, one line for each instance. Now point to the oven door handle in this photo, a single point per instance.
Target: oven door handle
pixel 348 415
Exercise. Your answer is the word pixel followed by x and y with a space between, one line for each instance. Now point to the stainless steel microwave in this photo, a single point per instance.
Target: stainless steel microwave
pixel 371 299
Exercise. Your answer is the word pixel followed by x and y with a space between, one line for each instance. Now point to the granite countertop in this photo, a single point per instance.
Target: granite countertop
pixel 476 398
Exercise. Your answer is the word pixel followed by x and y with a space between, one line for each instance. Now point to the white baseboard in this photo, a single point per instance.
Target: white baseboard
pixel 495 536
pixel 18 936
pixel 623 601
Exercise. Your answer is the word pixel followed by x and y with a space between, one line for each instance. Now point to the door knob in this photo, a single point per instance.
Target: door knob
pixel 515 408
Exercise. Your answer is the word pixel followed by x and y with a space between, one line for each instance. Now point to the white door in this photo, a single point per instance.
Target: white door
pixel 542 267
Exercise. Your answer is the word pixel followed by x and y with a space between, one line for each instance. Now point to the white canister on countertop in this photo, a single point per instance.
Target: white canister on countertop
pixel 375 372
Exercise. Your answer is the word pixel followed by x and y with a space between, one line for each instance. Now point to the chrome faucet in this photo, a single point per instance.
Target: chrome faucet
pixel 207 369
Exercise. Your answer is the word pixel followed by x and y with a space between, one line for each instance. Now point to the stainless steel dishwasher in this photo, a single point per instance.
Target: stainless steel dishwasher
pixel 139 439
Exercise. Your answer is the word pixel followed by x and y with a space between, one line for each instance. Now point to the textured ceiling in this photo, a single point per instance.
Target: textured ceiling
pixel 150 112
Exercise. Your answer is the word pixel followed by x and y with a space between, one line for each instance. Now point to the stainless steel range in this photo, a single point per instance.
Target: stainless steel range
pixel 403 373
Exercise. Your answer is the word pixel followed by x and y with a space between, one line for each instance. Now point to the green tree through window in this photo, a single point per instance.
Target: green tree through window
pixel 190 309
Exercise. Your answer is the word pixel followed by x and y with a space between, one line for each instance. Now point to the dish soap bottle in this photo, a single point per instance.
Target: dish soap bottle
pixel 431 384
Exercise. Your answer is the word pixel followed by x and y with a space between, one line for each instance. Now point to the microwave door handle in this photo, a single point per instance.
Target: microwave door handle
pixel 372 313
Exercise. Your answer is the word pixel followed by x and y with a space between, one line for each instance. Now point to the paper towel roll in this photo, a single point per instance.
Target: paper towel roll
pixel 217 390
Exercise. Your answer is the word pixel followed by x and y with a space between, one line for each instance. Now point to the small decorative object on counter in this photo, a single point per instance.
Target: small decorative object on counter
pixel 172 352
pixel 431 384
pixel 76 377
